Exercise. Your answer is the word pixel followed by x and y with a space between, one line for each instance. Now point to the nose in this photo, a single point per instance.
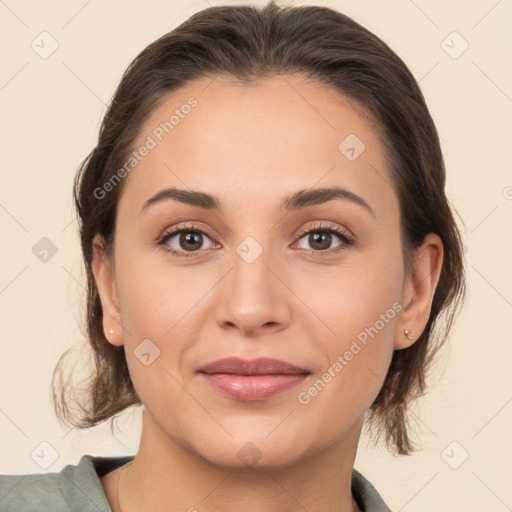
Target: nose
pixel 253 298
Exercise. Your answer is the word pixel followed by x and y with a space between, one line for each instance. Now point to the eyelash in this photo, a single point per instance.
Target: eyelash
pixel 347 239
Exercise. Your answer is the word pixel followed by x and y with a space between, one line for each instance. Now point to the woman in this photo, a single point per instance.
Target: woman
pixel 268 245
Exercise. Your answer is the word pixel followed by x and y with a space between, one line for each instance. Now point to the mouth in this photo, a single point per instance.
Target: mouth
pixel 260 366
pixel 252 380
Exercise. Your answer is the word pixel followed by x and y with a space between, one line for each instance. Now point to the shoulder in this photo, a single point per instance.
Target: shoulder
pixel 75 487
pixel 368 498
pixel 29 491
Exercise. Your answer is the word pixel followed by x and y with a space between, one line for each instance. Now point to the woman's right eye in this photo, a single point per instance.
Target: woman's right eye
pixel 183 240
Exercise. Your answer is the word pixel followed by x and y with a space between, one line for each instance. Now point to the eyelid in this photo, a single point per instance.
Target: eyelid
pixel 330 228
pixel 183 227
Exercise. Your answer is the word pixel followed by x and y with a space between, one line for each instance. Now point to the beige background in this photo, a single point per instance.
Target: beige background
pixel 51 110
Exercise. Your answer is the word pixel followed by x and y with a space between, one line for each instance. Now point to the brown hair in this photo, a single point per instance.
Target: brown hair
pixel 249 43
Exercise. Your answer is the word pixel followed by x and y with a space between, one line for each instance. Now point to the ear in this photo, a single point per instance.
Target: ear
pixel 418 291
pixel 103 271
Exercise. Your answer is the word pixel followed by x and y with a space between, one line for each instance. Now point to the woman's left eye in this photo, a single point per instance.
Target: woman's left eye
pixel 322 237
pixel 189 239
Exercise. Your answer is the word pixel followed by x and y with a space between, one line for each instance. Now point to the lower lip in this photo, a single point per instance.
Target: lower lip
pixel 252 387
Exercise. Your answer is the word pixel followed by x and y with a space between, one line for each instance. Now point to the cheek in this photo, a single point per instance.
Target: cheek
pixel 358 308
pixel 153 295
pixel 357 359
pixel 352 297
pixel 162 305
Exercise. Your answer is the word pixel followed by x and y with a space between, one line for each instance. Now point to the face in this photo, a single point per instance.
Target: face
pixel 318 284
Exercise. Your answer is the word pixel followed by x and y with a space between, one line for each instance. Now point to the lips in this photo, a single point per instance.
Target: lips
pixel 261 366
pixel 252 380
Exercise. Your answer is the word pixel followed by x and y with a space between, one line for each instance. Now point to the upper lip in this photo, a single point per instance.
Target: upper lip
pixel 260 366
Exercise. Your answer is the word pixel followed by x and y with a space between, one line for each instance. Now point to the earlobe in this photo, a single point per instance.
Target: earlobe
pixel 105 282
pixel 418 292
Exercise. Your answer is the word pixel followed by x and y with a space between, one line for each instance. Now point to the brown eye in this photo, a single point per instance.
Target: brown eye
pixel 184 240
pixel 321 239
pixel 190 240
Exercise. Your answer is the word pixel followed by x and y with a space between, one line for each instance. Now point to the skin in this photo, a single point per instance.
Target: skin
pixel 251 145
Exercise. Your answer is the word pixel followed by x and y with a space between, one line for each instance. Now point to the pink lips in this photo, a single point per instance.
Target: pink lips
pixel 252 380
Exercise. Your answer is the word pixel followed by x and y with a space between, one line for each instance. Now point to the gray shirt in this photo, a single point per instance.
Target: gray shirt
pixel 77 488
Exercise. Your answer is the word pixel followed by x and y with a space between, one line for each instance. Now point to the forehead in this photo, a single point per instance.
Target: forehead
pixel 255 143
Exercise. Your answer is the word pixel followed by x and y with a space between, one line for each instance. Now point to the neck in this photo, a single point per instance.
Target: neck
pixel 165 475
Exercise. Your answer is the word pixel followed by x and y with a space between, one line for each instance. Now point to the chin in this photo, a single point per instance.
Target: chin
pixel 252 454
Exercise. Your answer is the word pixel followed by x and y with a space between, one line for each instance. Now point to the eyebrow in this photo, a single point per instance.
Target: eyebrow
pixel 298 200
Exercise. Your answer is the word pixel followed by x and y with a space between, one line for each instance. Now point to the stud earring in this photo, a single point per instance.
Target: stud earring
pixel 111 331
pixel 408 334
